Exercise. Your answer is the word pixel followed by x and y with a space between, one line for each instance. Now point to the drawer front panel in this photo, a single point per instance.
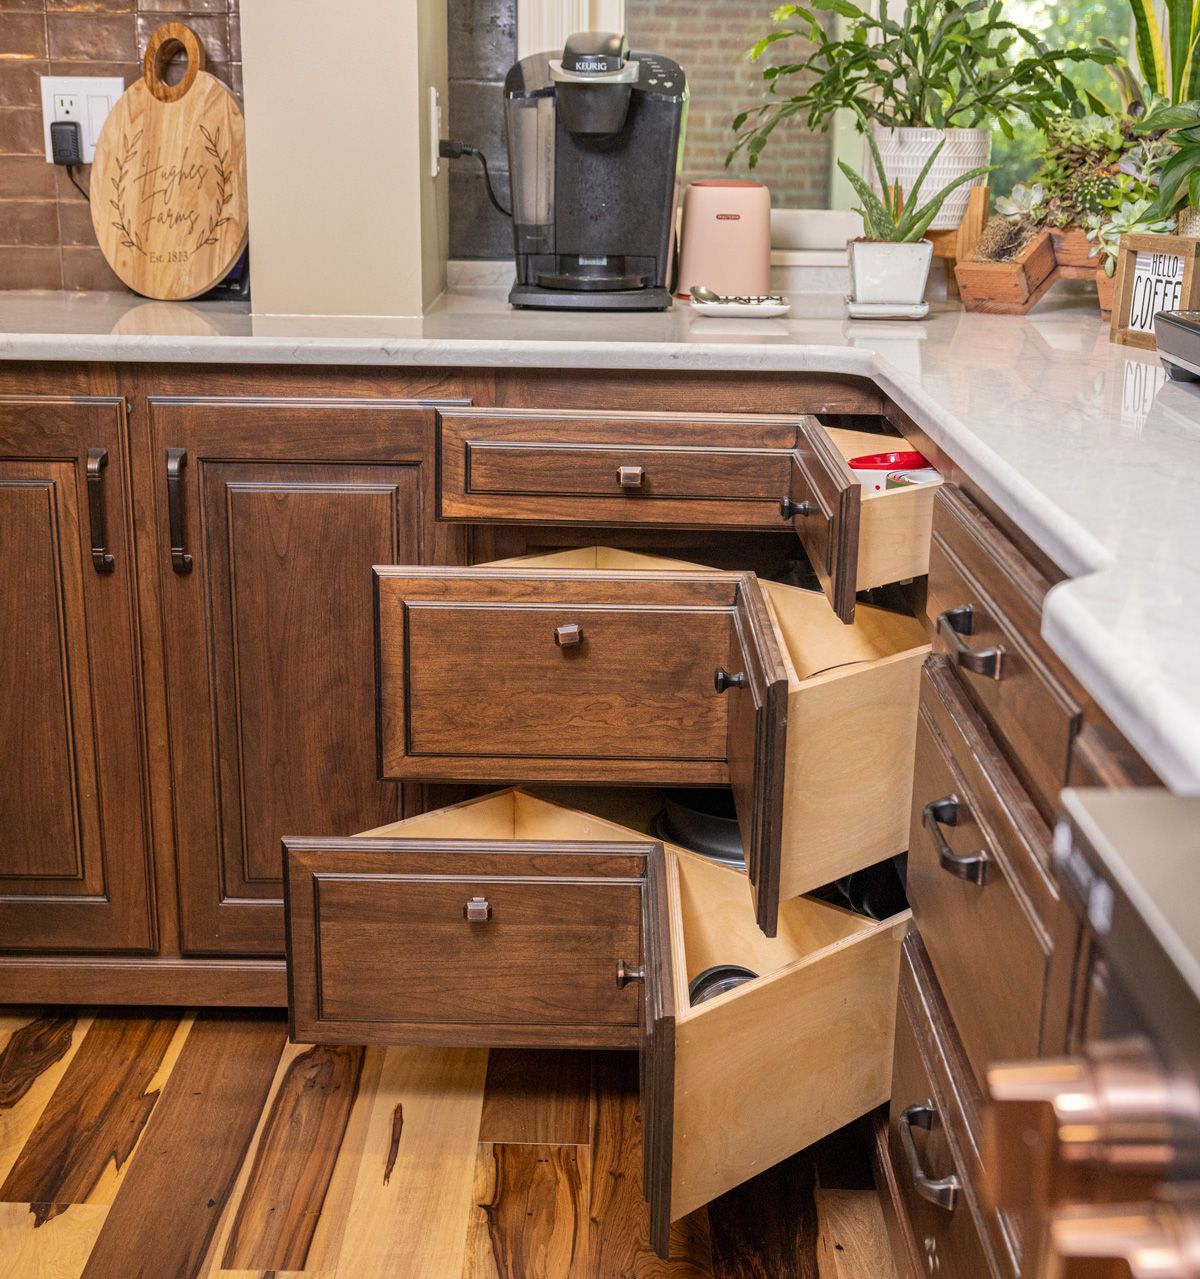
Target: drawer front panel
pixel 390 942
pixel 610 468
pixel 931 1176
pixel 497 681
pixel 981 604
pixel 988 952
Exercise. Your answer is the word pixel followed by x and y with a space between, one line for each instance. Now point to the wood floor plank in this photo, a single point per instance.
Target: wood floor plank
pixel 58 1249
pixel 540 1096
pixel 767 1228
pixel 411 1200
pixel 854 1240
pixel 95 1116
pixel 194 1145
pixel 620 1219
pixel 278 1212
pixel 529 1219
pixel 34 1055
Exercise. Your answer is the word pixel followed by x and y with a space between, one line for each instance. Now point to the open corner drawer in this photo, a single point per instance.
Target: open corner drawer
pixel 512 920
pixel 856 538
pixel 604 666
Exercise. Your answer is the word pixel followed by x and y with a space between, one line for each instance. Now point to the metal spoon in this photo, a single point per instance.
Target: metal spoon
pixel 701 294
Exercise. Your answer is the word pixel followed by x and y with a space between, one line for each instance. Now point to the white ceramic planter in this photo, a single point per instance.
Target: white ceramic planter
pixel 904 152
pixel 892 274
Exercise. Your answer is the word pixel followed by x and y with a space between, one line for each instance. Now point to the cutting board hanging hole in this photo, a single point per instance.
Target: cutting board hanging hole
pixel 170 39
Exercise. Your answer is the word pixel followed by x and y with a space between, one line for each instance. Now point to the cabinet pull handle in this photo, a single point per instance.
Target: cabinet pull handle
pixel 181 561
pixel 631 477
pixel 988 662
pixel 788 509
pixel 568 636
pixel 942 1191
pixel 477 911
pixel 629 972
pixel 723 680
pixel 973 867
pixel 97 460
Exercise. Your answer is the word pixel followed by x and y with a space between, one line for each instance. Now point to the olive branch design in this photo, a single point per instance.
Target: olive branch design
pixel 130 238
pixel 220 159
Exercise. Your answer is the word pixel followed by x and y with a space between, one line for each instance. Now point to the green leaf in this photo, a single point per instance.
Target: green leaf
pixel 1148 41
pixel 876 215
pixel 920 219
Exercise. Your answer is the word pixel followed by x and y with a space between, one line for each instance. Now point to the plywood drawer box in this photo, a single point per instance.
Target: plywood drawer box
pixel 985 603
pixel 552 467
pixel 730 1086
pixel 856 538
pixel 977 869
pixel 932 1147
pixel 607 666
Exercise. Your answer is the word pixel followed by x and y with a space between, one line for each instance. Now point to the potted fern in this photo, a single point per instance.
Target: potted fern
pixel 889 264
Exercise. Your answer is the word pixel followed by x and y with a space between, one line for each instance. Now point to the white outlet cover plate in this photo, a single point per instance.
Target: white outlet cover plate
pixel 95 95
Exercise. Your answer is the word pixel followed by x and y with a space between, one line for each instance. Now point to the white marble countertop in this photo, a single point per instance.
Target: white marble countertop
pixel 1084 444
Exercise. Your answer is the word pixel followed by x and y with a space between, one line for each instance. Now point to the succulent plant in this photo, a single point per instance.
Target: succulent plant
pixel 1024 202
pixel 1106 229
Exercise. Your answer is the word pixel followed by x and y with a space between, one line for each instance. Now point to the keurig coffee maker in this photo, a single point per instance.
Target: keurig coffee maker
pixel 595 143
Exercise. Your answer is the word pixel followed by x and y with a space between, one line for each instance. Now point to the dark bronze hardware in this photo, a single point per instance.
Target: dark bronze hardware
pixel 102 560
pixel 631 477
pixel 973 867
pixel 942 1191
pixel 568 636
pixel 628 972
pixel 788 509
pixel 723 680
pixel 477 911
pixel 988 662
pixel 181 561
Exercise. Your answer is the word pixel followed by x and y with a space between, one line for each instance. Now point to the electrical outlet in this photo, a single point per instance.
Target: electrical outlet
pixel 86 99
pixel 435 131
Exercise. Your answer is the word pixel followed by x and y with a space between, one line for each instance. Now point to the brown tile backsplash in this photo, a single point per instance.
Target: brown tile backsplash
pixel 46 238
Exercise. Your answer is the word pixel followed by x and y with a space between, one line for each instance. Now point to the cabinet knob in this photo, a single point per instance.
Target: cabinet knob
pixel 789 509
pixel 568 636
pixel 631 477
pixel 1137 1241
pixel 477 911
pixel 1105 1126
pixel 629 972
pixel 723 679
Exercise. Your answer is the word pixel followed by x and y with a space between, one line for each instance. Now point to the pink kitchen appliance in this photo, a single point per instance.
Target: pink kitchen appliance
pixel 726 238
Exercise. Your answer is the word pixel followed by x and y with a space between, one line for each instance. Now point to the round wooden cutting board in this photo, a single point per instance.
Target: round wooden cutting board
pixel 168 188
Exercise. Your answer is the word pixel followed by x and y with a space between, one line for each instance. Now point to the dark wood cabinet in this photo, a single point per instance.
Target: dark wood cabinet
pixel 269 517
pixel 74 847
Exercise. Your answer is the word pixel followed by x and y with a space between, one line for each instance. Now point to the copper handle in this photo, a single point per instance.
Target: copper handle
pixel 629 972
pixel 973 867
pixel 97 460
pixel 568 636
pixel 988 662
pixel 477 911
pixel 941 1191
pixel 181 561
pixel 631 477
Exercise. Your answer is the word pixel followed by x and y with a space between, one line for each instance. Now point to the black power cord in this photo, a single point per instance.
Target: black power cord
pixel 75 184
pixel 450 150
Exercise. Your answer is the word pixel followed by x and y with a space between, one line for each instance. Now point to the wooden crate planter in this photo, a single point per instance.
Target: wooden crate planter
pixel 1072 248
pixel 1009 288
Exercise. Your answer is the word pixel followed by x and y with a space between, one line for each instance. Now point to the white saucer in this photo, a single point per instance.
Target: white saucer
pixel 741 310
pixel 886 311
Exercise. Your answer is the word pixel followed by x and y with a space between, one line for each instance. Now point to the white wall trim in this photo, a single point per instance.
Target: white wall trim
pixel 545 24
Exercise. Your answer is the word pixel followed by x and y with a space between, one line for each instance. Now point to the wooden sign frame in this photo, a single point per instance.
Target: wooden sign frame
pixel 1180 246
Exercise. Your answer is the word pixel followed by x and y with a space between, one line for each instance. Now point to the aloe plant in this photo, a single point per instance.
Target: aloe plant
pixel 891 216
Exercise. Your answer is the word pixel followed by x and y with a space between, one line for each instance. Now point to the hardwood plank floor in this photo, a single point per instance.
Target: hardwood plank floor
pixel 204 1146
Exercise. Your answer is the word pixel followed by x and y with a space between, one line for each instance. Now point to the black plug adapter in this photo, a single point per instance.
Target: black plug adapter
pixel 66 142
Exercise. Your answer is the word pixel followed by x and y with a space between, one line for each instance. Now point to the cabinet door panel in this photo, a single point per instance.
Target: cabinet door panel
pixel 73 846
pixel 270 646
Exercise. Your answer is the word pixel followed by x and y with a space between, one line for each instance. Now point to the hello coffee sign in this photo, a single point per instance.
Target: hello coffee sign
pixel 1154 273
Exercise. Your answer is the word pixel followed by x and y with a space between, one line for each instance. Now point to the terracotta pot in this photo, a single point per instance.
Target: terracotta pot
pixel 1106 287
pixel 1072 247
pixel 1009 288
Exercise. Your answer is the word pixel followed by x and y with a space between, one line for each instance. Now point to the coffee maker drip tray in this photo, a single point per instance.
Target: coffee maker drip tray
pixel 593 275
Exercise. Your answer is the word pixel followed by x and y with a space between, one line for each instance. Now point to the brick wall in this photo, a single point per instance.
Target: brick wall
pixel 46 239
pixel 708 38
